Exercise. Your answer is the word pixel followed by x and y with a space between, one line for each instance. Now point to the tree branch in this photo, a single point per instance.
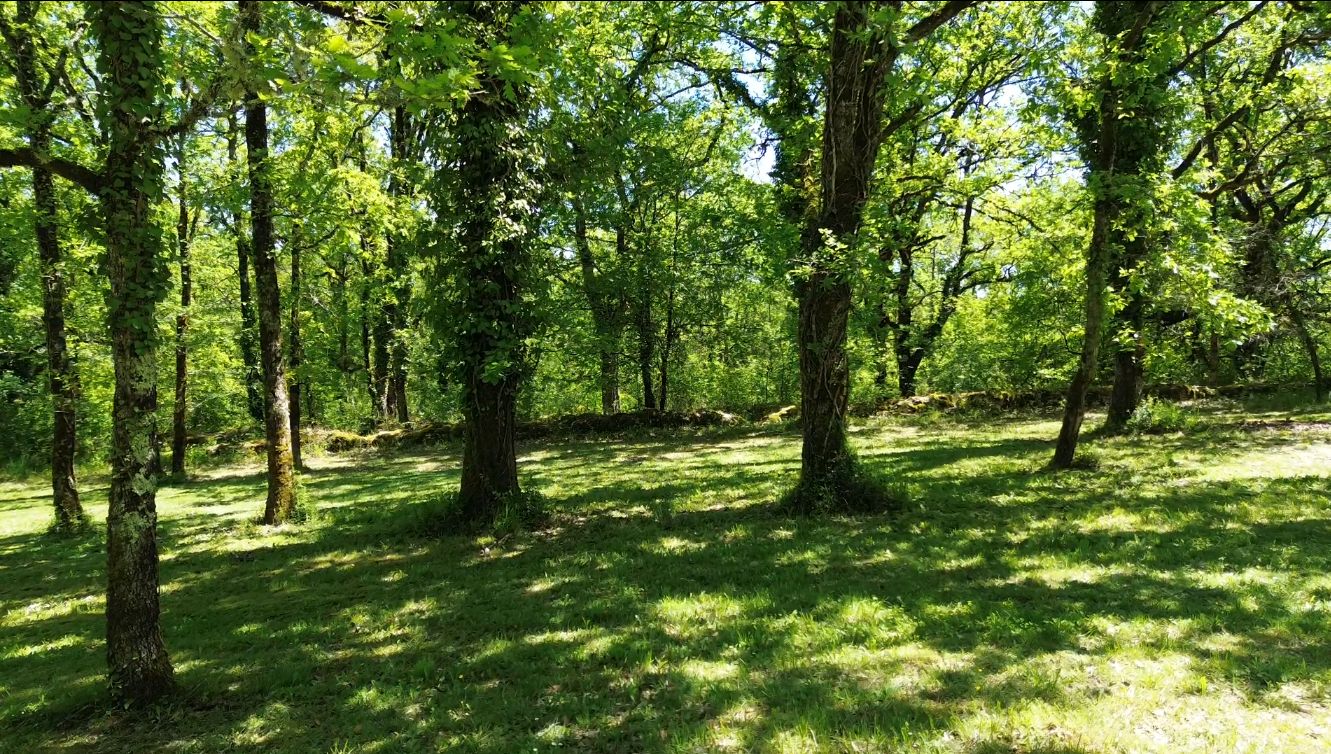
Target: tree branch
pixel 70 171
pixel 930 23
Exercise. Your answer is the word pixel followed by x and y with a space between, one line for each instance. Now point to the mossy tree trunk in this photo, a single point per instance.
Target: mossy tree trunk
pixel 129 46
pixel 281 502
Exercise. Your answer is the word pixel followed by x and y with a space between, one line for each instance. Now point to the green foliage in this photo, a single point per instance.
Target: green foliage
pixel 1154 416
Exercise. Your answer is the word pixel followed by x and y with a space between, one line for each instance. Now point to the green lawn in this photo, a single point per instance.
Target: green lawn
pixel 1173 599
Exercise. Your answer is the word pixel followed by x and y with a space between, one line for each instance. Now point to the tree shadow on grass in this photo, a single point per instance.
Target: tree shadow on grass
pixel 731 625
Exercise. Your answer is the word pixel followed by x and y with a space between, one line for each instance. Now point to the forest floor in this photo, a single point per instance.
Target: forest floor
pixel 1175 597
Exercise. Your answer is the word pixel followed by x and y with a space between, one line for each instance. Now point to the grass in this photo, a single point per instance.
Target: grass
pixel 1174 598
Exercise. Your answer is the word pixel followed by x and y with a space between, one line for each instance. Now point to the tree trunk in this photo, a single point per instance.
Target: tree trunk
pixel 489 454
pixel 852 133
pixel 61 375
pixel 129 44
pixel 824 308
pixel 1097 279
pixel 670 336
pixel 1213 360
pixel 1310 345
pixel 907 368
pixel 181 413
pixel 495 237
pixel 249 328
pixel 607 319
pixel 609 373
pixel 281 502
pixel 382 335
pixel 400 288
pixel 297 352
pixel 1128 358
pixel 646 352
pixel 1118 149
pixel 63 378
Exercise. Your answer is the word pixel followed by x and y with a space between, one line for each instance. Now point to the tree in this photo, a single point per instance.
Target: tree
pixel 186 227
pixel 864 51
pixel 1120 143
pixel 281 502
pixel 23 38
pixel 491 196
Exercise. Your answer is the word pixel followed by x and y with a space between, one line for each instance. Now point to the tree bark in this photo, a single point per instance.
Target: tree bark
pixel 495 242
pixel 401 143
pixel 1124 24
pixel 1213 360
pixel 1128 378
pixel 129 37
pixel 607 312
pixel 62 377
pixel 646 352
pixel 297 352
pixel 281 502
pixel 249 327
pixel 852 133
pixel 181 412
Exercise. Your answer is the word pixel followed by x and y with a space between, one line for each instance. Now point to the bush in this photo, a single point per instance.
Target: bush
pixel 1154 416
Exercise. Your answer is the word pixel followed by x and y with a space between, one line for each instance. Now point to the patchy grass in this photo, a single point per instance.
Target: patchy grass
pixel 1176 598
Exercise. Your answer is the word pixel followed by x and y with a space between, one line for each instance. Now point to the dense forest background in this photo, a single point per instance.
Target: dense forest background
pixel 665 265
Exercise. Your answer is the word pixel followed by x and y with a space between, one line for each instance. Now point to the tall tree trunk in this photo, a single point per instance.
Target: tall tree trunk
pixel 852 132
pixel 670 337
pixel 495 240
pixel 297 351
pixel 249 327
pixel 607 319
pixel 181 411
pixel 401 143
pixel 382 337
pixel 281 502
pixel 63 378
pixel 646 352
pixel 1113 160
pixel 129 45
pixel 1310 345
pixel 61 375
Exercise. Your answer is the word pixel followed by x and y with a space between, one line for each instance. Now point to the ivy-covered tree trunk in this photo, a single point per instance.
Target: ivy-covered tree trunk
pixel 281 502
pixel 249 326
pixel 61 375
pixel 493 195
pixel 181 410
pixel 129 49
pixel 1118 146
